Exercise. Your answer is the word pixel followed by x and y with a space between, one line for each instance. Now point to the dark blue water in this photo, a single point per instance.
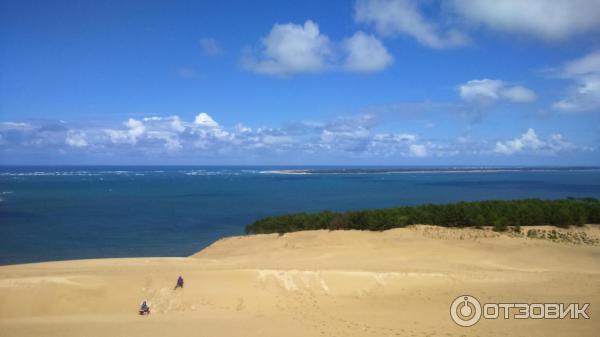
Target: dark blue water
pixel 52 213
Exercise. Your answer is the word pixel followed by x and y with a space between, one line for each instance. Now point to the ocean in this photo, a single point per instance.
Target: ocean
pixel 75 212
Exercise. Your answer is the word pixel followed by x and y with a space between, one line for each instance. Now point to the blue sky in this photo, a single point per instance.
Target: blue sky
pixel 389 82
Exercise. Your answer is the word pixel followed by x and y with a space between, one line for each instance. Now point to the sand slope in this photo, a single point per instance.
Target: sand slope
pixel 318 283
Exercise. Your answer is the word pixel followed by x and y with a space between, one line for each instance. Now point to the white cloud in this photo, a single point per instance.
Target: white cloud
pixel 365 53
pixel 176 123
pixel 486 91
pixel 545 19
pixel 277 139
pixel 549 20
pixel 15 125
pixel 417 150
pixel 395 17
pixel 529 141
pixel 203 137
pixel 76 139
pixel 135 129
pixel 480 89
pixel 588 64
pixel 208 132
pixel 333 136
pixel 204 119
pixel 240 128
pixel 171 132
pixel 170 140
pixel 291 48
pixel 170 123
pixel 210 47
pixel 394 138
pixel 386 145
pixel 584 94
pixel 348 134
pixel 518 94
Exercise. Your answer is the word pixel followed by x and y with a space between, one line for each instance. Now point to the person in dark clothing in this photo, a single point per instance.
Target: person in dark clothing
pixel 144 308
pixel 179 282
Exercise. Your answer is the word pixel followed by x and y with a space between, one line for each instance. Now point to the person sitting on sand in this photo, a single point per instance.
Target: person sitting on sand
pixel 179 282
pixel 144 308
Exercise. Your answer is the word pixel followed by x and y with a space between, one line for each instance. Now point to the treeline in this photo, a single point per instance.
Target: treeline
pixel 498 213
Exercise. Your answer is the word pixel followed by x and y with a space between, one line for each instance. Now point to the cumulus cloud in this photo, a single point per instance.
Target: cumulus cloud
pixel 176 124
pixel 403 17
pixel 76 139
pixel 171 132
pixel 487 91
pixel 293 49
pixel 545 19
pixel 135 129
pixel 204 119
pixel 584 94
pixel 530 142
pixel 365 53
pixel 417 150
pixel 170 140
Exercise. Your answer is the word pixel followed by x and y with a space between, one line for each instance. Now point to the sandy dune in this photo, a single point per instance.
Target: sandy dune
pixel 343 283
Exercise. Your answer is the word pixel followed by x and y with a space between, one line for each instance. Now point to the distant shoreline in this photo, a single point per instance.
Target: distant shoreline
pixel 467 169
pixel 191 170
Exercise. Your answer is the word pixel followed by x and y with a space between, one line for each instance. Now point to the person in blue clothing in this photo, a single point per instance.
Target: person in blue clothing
pixel 144 308
pixel 179 282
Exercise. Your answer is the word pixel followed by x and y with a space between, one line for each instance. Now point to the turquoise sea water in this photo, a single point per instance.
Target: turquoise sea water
pixel 54 213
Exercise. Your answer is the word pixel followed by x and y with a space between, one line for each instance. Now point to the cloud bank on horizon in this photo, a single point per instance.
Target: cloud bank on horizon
pixel 351 137
pixel 391 82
